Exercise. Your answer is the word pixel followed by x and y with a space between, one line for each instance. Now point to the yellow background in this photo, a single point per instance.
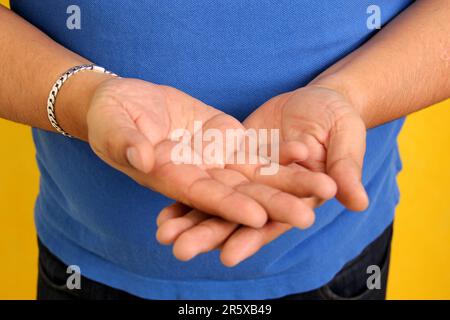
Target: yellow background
pixel 420 267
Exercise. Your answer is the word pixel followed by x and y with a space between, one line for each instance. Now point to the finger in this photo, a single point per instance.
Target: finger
pixel 204 237
pixel 211 233
pixel 172 211
pixel 345 160
pixel 292 151
pixel 289 152
pixel 169 231
pixel 128 146
pixel 119 141
pixel 301 183
pixel 280 206
pixel 193 186
pixel 316 153
pixel 181 219
pixel 245 242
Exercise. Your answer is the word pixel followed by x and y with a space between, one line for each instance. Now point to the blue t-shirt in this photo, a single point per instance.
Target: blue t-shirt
pixel 233 55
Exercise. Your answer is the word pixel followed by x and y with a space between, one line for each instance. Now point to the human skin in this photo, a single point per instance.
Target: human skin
pixel 377 83
pixel 128 123
pixel 404 68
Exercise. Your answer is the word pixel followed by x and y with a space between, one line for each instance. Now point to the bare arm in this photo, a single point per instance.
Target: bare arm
pixel 128 124
pixel 30 62
pixel 404 68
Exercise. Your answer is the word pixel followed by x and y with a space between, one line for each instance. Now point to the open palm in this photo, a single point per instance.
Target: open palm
pixel 334 134
pixel 130 123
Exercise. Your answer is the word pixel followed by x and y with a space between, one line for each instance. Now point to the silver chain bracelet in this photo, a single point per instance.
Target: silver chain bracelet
pixel 58 85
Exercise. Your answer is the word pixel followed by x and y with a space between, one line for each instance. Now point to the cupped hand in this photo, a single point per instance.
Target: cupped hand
pixel 331 128
pixel 131 125
pixel 319 117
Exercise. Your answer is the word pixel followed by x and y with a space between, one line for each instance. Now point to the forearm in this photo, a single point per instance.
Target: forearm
pixel 30 62
pixel 402 69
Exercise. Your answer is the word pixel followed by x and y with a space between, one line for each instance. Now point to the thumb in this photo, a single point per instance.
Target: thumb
pixel 120 142
pixel 138 150
pixel 345 155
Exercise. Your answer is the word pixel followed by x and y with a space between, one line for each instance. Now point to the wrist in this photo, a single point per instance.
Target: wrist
pixel 74 100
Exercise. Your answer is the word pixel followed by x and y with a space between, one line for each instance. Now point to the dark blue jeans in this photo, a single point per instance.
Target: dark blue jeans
pixel 349 284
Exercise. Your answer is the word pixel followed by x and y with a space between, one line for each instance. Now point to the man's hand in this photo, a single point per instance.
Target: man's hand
pixel 334 133
pixel 130 123
pixel 327 123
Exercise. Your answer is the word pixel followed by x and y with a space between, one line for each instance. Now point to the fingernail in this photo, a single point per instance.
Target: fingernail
pixel 365 196
pixel 133 158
